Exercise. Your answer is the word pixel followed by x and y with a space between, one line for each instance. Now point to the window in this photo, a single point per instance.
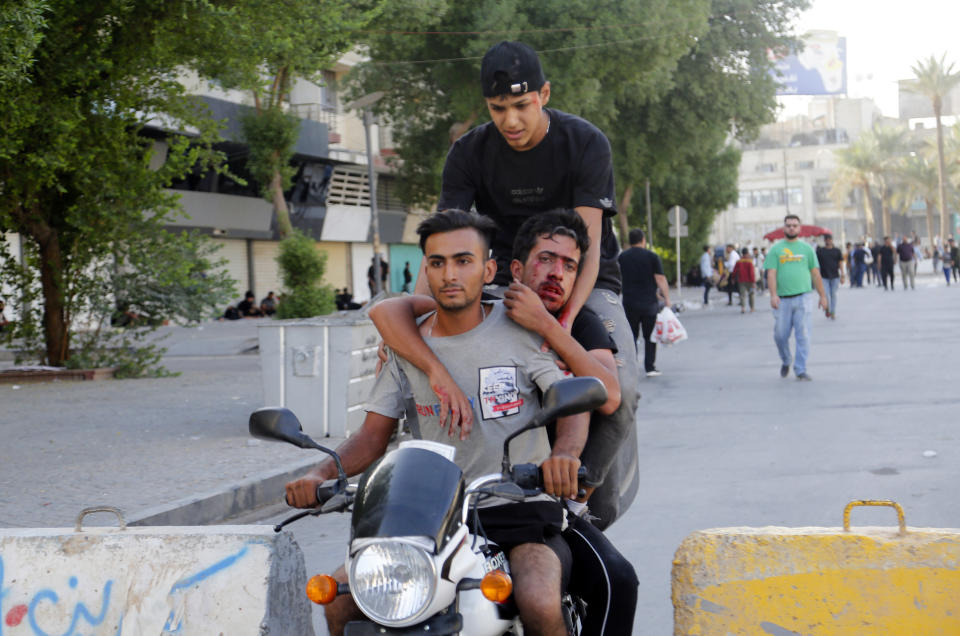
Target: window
pixel 803 165
pixel 766 167
pixel 821 191
pixel 796 195
pixel 744 199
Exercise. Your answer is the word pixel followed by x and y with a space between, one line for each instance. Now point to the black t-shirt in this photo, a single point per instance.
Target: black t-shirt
pixel 589 331
pixel 829 258
pixel 637 267
pixel 572 166
pixel 859 256
pixel 905 251
pixel 886 257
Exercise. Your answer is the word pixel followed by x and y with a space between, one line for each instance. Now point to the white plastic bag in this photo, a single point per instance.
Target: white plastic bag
pixel 668 329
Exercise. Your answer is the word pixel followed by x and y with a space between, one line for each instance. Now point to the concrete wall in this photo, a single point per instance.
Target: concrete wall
pixel 177 580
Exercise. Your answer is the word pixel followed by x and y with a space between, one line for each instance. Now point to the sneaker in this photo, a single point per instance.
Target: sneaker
pixel 784 370
pixel 804 377
pixel 654 373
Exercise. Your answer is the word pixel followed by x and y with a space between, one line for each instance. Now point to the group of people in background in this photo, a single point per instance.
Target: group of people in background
pixel 731 270
pixel 248 307
pixel 876 261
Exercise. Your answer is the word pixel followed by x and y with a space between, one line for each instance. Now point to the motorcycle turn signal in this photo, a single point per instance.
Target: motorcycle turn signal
pixel 322 589
pixel 496 586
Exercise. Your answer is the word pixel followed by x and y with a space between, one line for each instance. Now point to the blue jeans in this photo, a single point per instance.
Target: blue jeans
pixel 831 285
pixel 793 314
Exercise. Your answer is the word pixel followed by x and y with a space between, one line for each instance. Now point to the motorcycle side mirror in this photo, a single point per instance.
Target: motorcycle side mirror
pixel 564 397
pixel 279 425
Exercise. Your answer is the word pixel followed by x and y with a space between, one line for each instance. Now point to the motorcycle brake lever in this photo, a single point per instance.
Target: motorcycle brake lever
pixel 296 517
pixel 340 501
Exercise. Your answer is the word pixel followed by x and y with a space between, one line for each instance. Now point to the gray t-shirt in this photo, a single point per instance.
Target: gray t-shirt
pixel 500 367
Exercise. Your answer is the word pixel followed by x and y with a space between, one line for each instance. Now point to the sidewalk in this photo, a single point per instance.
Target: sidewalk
pixel 166 451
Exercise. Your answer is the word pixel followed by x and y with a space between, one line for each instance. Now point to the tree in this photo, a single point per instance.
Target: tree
pixel 78 182
pixel 428 63
pixel 919 179
pixel 889 149
pixel 855 166
pixel 935 79
pixel 20 32
pixel 302 267
pixel 266 47
pixel 722 90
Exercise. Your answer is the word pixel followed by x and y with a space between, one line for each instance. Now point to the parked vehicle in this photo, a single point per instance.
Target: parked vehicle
pixel 417 556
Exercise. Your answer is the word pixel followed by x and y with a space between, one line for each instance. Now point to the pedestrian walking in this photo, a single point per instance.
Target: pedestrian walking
pixel 887 258
pixel 831 269
pixel 848 261
pixel 860 256
pixel 792 272
pixel 954 258
pixel 642 273
pixel 908 263
pixel 947 261
pixel 407 277
pixel 873 263
pixel 706 272
pixel 744 273
pixel 730 258
pixel 758 268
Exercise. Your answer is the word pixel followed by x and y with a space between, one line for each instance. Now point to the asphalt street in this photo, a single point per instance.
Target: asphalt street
pixel 724 441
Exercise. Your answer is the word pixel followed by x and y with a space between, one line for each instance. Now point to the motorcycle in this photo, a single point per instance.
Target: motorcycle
pixel 418 560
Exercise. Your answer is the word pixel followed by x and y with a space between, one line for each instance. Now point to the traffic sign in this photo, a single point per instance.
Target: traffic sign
pixel 684 230
pixel 677 216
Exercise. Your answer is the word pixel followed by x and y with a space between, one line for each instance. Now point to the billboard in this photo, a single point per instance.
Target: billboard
pixel 819 69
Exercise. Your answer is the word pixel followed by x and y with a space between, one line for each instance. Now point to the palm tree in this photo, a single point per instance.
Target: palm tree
pixel 934 80
pixel 919 179
pixel 890 145
pixel 856 165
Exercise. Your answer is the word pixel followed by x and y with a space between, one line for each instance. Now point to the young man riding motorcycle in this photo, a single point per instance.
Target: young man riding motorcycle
pixel 528 160
pixel 503 367
pixel 547 256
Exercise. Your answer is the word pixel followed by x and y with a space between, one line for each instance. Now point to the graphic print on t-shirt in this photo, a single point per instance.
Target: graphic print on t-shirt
pixel 499 395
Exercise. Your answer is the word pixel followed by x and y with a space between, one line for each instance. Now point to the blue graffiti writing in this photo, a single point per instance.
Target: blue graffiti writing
pixel 187 582
pixel 79 611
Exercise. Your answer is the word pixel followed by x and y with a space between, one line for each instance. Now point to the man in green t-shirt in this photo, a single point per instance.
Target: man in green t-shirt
pixel 792 272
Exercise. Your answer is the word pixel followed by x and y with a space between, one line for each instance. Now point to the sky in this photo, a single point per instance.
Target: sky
pixel 885 38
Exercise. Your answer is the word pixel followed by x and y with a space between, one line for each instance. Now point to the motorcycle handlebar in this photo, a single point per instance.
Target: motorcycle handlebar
pixel 529 476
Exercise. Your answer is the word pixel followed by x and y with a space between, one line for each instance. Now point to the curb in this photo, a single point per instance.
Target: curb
pixel 226 503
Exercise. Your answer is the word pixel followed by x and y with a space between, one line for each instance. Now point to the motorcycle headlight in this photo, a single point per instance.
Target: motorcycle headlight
pixel 392 582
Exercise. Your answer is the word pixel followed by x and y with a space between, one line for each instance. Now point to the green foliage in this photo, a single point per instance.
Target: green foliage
pixel 271 136
pixel 120 298
pixel 20 31
pixel 301 268
pixel 78 183
pixel 264 48
pixel 593 54
pixel 721 90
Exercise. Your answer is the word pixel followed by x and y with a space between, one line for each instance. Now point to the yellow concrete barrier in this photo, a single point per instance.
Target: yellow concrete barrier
pixel 818 581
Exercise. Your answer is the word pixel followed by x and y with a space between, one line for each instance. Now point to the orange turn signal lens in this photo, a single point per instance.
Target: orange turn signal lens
pixel 322 589
pixel 496 586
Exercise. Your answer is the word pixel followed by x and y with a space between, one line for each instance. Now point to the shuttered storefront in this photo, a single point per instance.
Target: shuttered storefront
pixel 234 251
pixel 266 271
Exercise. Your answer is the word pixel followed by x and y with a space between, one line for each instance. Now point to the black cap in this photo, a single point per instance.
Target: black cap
pixel 510 68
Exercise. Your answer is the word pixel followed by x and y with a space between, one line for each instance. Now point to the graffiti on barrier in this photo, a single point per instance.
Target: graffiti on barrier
pixel 83 617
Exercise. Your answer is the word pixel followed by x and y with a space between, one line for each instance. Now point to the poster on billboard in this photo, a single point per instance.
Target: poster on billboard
pixel 819 69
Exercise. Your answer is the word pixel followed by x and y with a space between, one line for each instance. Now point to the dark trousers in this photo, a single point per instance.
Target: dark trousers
pixel 603 578
pixel 885 273
pixel 642 321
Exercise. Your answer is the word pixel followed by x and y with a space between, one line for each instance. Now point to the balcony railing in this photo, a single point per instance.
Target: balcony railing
pixel 318 112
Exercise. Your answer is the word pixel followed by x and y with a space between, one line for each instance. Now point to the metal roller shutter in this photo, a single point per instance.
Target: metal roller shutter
pixel 234 251
pixel 266 271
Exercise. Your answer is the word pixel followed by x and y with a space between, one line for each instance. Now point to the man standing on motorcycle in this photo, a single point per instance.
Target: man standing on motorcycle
pixel 503 367
pixel 526 161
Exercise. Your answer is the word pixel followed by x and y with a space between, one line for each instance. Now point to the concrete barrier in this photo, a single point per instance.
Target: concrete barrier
pixel 227 580
pixel 787 581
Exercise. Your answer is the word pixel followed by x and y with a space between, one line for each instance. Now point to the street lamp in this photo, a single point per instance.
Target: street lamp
pixel 365 103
